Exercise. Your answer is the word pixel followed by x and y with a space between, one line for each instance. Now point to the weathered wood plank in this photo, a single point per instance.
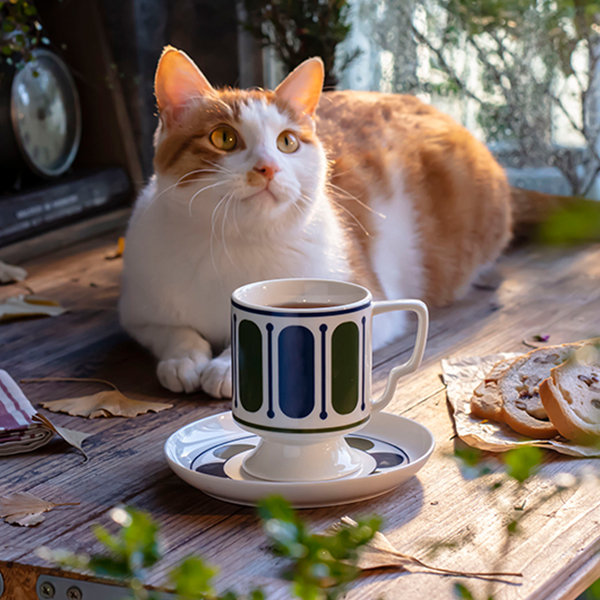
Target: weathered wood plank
pixel 555 292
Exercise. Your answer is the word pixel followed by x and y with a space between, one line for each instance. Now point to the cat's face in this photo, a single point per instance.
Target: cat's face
pixel 238 159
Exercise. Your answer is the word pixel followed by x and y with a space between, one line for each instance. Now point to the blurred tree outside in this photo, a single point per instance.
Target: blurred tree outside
pixel 300 29
pixel 524 75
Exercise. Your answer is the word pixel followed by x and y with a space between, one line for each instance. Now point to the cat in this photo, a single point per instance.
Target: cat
pixel 378 189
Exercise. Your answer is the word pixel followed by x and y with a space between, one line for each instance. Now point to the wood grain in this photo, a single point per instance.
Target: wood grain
pixel 441 515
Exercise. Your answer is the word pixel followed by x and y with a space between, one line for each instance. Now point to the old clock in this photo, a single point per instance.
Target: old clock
pixel 40 115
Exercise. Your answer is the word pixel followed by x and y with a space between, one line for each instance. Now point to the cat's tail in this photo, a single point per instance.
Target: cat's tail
pixel 554 218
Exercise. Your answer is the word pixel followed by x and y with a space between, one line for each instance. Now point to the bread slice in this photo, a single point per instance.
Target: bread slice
pixel 486 402
pixel 510 391
pixel 571 396
pixel 522 408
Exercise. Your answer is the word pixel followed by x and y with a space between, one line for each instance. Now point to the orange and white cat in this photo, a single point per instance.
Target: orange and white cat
pixel 249 185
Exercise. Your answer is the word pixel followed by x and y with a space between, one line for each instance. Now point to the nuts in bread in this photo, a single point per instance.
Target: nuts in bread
pixel 571 396
pixel 510 392
pixel 486 402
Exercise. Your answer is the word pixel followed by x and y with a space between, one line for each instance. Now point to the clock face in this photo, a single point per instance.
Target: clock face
pixel 45 114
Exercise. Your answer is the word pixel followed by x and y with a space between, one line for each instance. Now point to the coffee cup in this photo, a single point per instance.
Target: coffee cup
pixel 301 365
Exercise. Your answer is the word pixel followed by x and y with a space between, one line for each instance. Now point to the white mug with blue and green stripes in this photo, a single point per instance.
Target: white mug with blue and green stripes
pixel 301 364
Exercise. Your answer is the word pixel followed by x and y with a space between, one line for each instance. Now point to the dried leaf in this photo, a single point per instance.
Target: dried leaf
pixel 10 273
pixel 380 553
pixel 22 307
pixel 541 338
pixel 119 250
pixel 110 403
pixel 71 436
pixel 23 508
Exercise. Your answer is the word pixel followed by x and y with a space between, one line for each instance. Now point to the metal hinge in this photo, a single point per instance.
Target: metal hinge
pixel 49 587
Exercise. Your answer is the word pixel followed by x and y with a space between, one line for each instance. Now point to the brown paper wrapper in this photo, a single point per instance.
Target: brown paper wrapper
pixel 462 376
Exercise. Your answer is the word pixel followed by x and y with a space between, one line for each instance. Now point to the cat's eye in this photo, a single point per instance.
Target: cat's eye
pixel 224 138
pixel 287 142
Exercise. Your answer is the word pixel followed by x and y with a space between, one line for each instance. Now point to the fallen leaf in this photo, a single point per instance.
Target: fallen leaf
pixel 110 403
pixel 380 553
pixel 119 251
pixel 536 341
pixel 23 508
pixel 10 273
pixel 71 436
pixel 22 307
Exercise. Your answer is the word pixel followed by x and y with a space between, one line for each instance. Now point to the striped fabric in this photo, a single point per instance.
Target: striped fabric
pixel 18 431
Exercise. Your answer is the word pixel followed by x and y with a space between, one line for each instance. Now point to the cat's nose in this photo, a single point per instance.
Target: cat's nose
pixel 267 170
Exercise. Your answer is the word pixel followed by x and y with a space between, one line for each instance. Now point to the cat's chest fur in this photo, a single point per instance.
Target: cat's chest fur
pixel 182 272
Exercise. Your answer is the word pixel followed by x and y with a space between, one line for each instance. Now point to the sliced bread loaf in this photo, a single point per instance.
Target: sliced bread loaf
pixel 522 408
pixel 571 396
pixel 486 402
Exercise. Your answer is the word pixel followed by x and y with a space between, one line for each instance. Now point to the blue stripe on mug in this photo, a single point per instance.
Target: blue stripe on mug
pixel 296 362
pixel 364 339
pixel 270 412
pixel 323 330
pixel 233 358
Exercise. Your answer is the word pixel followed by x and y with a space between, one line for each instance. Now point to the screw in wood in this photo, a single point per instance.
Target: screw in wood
pixel 1 585
pixel 74 593
pixel 47 590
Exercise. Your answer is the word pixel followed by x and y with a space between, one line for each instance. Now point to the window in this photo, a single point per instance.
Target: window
pixel 522 75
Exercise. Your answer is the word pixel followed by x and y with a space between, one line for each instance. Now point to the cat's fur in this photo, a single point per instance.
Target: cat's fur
pixel 383 190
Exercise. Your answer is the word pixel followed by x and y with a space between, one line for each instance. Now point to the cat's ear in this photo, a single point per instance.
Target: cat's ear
pixel 302 87
pixel 178 79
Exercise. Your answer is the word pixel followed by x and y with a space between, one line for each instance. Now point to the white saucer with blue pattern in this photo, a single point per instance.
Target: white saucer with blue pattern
pixel 207 454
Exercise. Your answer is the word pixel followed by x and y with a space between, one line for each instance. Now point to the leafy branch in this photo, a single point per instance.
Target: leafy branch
pixel 321 565
pixel 298 30
pixel 20 32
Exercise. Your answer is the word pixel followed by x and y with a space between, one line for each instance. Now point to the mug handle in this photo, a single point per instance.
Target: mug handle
pixel 420 308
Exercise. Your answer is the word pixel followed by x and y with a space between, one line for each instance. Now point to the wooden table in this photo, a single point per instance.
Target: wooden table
pixel 440 515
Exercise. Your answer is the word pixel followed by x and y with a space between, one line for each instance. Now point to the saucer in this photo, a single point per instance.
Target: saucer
pixel 208 455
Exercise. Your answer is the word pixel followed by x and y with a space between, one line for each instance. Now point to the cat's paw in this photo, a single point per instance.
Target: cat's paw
pixel 182 374
pixel 216 377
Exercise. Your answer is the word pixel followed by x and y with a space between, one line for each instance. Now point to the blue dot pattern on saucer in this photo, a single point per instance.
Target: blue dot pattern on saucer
pixel 211 461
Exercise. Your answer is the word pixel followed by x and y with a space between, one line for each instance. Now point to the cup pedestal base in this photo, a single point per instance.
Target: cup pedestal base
pixel 323 460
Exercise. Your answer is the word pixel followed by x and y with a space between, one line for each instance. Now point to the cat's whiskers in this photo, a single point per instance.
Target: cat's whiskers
pixel 174 185
pixel 297 206
pixel 352 215
pixel 212 228
pixel 206 187
pixel 220 168
pixel 236 205
pixel 353 197
pixel 223 220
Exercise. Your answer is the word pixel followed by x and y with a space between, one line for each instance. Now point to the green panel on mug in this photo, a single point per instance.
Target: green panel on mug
pixel 250 365
pixel 344 368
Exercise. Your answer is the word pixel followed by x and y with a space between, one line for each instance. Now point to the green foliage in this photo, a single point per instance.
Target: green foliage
pixel 192 578
pixel 300 29
pixel 574 224
pixel 133 549
pixel 462 591
pixel 521 463
pixel 532 57
pixel 318 561
pixel 322 565
pixel 592 593
pixel 20 33
pixel 471 461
